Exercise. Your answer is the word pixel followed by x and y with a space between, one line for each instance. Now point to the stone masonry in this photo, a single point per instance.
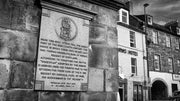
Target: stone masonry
pixel 163 51
pixel 19 32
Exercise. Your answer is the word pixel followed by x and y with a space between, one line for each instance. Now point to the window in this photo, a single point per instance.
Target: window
pixel 149 20
pixel 174 87
pixel 178 63
pixel 155 37
pixel 178 31
pixel 177 43
pixel 168 41
pixel 124 16
pixel 134 66
pixel 170 64
pixel 157 62
pixel 132 39
pixel 137 93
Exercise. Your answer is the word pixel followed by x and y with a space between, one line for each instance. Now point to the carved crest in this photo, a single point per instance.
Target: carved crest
pixel 66 28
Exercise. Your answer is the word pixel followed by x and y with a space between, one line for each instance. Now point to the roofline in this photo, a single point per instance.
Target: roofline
pixel 169 32
pixel 131 27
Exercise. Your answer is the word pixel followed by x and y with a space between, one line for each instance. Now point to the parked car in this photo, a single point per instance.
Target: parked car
pixel 176 96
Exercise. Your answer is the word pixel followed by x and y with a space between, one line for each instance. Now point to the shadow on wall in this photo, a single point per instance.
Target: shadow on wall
pixel 58 96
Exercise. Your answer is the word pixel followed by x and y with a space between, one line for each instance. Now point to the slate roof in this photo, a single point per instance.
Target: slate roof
pixel 169 27
pixel 134 24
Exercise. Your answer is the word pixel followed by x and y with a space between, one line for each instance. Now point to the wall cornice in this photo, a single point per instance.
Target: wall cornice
pixel 111 4
pixel 68 9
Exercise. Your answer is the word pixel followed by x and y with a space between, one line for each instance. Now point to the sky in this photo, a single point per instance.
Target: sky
pixel 161 10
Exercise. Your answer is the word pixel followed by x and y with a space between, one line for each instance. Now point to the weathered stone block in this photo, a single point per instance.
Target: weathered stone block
pixel 22 74
pixel 4 73
pixel 176 57
pixel 5 13
pixel 150 59
pixel 97 33
pixel 93 97
pixel 112 58
pixel 59 96
pixel 6 40
pixel 103 56
pixel 32 19
pixel 75 3
pixel 96 56
pixel 106 16
pixel 111 81
pixel 111 96
pixel 21 95
pixel 24 1
pixel 25 17
pixel 112 38
pixel 96 79
pixel 18 18
pixel 88 6
pixel 17 45
pixel 2 95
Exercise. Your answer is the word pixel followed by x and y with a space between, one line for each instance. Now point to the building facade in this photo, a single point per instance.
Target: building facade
pixel 163 58
pixel 22 24
pixel 132 61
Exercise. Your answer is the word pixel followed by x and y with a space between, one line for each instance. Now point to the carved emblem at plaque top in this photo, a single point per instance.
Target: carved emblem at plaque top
pixel 66 28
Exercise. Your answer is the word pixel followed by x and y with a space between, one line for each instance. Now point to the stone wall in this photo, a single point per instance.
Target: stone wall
pixel 163 51
pixel 19 32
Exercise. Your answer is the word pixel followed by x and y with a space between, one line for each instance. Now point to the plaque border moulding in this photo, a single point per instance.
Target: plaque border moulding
pixel 68 9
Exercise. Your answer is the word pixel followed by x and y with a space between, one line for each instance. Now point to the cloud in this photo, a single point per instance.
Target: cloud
pixel 169 9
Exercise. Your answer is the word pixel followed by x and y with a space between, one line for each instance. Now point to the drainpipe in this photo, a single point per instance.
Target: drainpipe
pixel 145 81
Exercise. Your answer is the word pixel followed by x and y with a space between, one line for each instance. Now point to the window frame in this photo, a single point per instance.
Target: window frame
pixel 121 11
pixel 132 40
pixel 137 95
pixel 124 16
pixel 171 69
pixel 155 37
pixel 178 63
pixel 177 46
pixel 168 41
pixel 158 62
pixel 178 30
pixel 134 66
pixel 149 21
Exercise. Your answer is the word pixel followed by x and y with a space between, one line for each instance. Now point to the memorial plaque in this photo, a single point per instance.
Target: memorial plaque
pixel 62 62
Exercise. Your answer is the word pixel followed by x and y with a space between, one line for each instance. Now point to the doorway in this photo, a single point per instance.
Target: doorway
pixel 121 94
pixel 159 90
pixel 121 91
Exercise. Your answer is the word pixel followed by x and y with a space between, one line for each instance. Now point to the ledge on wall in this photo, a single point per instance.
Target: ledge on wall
pixel 111 4
pixel 58 6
